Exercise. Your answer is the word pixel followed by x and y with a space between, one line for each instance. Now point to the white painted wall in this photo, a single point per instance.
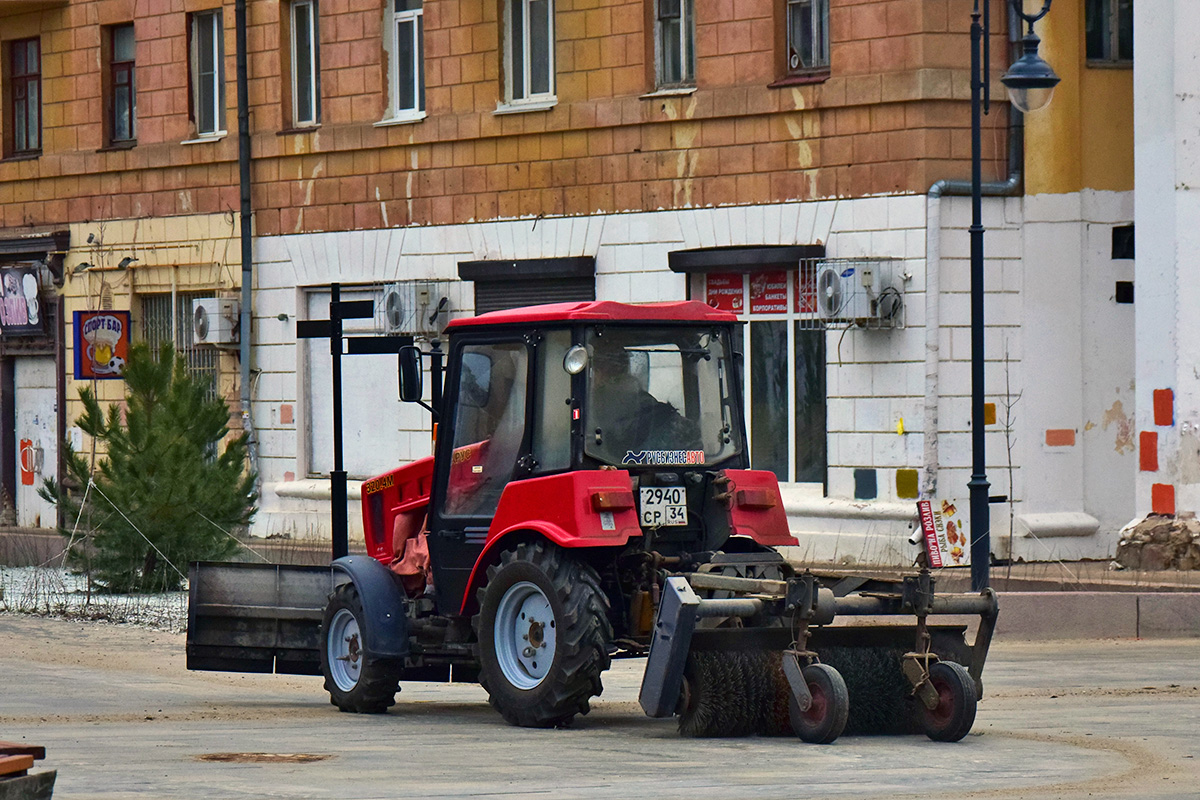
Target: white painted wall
pixel 1167 165
pixel 37 421
pixel 874 377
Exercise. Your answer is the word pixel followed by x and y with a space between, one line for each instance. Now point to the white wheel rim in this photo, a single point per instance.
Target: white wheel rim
pixel 344 650
pixel 525 635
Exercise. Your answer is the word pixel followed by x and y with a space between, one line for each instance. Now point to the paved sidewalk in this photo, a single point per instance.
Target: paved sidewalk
pixel 121 719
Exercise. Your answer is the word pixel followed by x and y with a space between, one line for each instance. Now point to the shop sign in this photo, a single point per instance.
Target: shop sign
pixel 947 538
pixel 101 344
pixel 723 290
pixel 20 311
pixel 768 292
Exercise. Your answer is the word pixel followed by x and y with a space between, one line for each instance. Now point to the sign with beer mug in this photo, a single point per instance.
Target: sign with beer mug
pixel 101 344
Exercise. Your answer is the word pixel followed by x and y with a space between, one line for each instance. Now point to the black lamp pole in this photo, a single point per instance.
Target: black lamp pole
pixel 1030 73
pixel 978 485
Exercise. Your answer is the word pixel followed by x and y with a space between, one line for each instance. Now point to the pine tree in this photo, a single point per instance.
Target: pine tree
pixel 163 494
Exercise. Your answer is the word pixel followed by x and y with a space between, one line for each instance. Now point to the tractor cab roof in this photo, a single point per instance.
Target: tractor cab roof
pixel 600 311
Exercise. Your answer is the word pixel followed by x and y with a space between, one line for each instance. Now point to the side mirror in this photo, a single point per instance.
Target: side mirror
pixel 410 374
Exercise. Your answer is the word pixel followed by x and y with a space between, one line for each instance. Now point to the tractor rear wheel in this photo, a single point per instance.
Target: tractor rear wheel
pixel 356 682
pixel 826 716
pixel 543 633
pixel 954 715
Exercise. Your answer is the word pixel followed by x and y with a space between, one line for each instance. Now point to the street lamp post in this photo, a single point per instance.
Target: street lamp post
pixel 1030 83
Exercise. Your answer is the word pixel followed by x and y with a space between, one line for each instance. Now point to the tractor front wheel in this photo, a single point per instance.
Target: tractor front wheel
pixel 356 682
pixel 543 634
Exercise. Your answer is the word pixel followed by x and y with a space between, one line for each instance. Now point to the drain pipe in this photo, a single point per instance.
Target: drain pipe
pixel 247 243
pixel 933 255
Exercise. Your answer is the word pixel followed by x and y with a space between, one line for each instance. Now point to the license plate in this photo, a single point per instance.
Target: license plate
pixel 663 505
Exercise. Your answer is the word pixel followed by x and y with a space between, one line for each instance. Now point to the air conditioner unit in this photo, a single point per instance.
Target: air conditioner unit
pixel 853 291
pixel 412 307
pixel 215 320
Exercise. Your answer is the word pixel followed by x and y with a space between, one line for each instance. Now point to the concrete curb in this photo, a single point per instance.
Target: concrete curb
pixel 1098 615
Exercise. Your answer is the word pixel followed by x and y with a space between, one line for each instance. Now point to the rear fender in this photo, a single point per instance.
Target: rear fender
pixel 583 509
pixel 385 624
pixel 747 502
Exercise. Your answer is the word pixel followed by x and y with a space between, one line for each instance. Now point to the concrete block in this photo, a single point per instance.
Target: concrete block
pixel 1067 615
pixel 871 213
pixel 907 212
pixel 840 414
pixel 1169 615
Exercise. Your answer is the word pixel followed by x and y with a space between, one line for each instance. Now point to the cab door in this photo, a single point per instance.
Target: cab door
pixel 481 439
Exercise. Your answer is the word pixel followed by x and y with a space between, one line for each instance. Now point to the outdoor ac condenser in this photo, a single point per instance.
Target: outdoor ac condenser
pixel 215 320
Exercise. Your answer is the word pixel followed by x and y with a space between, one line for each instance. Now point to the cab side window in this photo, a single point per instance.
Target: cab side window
pixel 552 431
pixel 489 426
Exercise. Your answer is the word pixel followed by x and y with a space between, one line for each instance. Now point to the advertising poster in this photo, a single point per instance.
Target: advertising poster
pixel 101 344
pixel 723 290
pixel 768 292
pixel 20 312
pixel 947 537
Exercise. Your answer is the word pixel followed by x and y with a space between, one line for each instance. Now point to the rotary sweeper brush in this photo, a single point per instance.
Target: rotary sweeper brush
pixel 590 497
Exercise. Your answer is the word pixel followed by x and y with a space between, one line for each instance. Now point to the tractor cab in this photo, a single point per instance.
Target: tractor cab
pixel 542 404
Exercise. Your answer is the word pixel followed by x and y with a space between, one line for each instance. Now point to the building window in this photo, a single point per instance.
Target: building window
pixel 785 367
pixel 807 36
pixel 306 63
pixel 208 73
pixel 408 58
pixel 25 93
pixel 168 318
pixel 122 93
pixel 675 43
pixel 1109 30
pixel 529 40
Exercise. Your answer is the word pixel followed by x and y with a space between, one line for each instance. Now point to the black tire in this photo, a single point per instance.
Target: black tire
pixel 957 703
pixel 543 694
pixel 826 717
pixel 356 682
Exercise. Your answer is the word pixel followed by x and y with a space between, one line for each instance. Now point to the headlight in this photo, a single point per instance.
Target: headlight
pixel 575 359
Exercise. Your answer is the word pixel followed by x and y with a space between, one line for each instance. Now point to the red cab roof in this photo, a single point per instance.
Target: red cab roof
pixel 600 311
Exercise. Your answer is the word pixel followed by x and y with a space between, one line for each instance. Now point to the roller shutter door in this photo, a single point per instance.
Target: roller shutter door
pixel 511 284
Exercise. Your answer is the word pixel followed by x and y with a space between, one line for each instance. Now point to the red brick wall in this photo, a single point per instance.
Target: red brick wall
pixel 892 117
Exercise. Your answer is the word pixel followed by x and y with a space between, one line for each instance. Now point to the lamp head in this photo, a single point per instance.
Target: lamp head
pixel 1030 80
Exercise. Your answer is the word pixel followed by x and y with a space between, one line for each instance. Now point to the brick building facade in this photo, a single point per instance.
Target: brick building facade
pixel 424 144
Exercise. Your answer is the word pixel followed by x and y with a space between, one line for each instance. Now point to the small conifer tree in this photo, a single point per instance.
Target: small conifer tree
pixel 163 494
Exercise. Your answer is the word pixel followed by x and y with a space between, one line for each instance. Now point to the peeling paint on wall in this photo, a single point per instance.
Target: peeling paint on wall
pixel 1123 422
pixel 1189 457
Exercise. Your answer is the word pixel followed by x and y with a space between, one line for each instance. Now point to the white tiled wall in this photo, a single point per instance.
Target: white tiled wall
pixel 875 377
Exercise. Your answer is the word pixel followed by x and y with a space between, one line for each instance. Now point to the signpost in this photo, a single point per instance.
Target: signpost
pixel 331 328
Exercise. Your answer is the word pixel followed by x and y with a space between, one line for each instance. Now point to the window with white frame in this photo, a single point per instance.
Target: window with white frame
pixel 208 73
pixel 807 36
pixel 675 48
pixel 408 58
pixel 306 63
pixel 784 346
pixel 529 46
pixel 1109 31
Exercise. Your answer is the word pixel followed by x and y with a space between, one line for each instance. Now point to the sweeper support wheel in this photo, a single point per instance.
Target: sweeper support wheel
pixel 828 709
pixel 951 719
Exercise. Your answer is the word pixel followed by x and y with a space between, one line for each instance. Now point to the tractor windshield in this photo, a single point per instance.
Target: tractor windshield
pixel 660 396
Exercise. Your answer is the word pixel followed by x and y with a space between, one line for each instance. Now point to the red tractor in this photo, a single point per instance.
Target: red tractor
pixel 590 497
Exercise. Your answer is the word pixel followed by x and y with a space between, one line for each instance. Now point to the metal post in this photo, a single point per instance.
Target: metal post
pixel 978 485
pixel 337 477
pixel 246 213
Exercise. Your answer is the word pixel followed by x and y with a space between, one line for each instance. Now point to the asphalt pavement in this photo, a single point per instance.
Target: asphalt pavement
pixel 121 718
